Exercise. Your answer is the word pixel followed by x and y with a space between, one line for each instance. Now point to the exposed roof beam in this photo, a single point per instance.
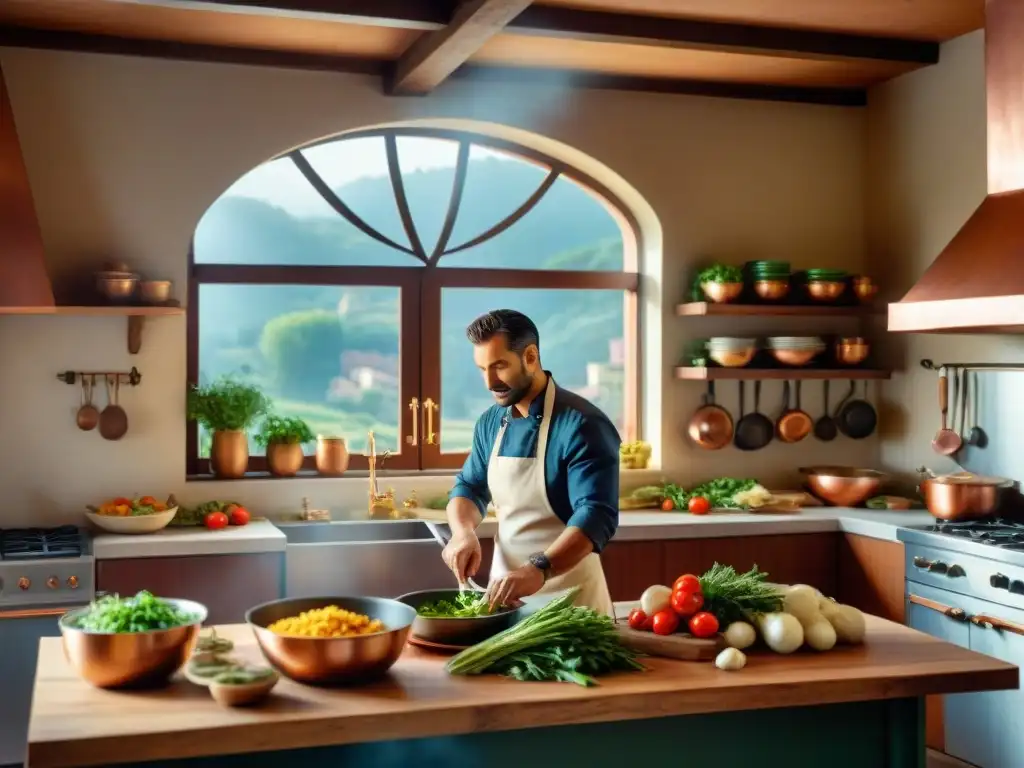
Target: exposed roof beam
pixel 62 40
pixel 572 23
pixel 432 58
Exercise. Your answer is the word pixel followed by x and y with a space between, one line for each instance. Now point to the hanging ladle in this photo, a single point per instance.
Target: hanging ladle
pixel 946 441
pixel 88 416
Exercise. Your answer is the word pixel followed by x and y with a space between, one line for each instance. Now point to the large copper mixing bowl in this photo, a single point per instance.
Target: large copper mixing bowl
pixel 130 659
pixel 843 486
pixel 333 660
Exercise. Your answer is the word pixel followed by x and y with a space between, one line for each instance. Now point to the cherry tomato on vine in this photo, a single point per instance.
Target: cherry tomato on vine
pixel 703 624
pixel 687 603
pixel 667 505
pixel 665 623
pixel 686 583
pixel 638 619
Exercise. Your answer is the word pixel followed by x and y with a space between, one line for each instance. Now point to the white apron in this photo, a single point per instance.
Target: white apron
pixel 527 524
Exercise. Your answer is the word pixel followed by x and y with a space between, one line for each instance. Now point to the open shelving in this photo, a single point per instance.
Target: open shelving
pixel 697 373
pixel 136 316
pixel 704 308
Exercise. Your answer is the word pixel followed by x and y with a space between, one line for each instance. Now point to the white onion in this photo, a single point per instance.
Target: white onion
pixel 731 659
pixel 740 635
pixel 848 623
pixel 820 635
pixel 782 632
pixel 654 599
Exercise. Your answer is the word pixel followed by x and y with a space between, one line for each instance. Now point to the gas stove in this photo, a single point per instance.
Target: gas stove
pixel 1005 534
pixel 42 567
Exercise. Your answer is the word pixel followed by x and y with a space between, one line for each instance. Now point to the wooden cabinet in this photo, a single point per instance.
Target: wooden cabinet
pixel 871 576
pixel 228 585
pixel 632 566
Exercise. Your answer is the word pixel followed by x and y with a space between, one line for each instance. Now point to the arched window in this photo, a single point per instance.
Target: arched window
pixel 341 276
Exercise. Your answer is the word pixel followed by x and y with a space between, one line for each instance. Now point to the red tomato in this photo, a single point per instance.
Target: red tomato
pixel 687 603
pixel 665 623
pixel 216 520
pixel 703 624
pixel 238 515
pixel 668 505
pixel 638 619
pixel 699 506
pixel 686 583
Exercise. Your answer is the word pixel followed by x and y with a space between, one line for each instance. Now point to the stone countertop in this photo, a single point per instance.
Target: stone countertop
pixel 258 536
pixel 647 526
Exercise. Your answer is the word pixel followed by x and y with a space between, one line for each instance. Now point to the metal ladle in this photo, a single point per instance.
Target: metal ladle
pixel 88 416
pixel 977 435
pixel 946 441
pixel 113 419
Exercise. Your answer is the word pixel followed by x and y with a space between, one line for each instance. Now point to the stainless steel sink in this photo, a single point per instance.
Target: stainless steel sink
pixel 352 531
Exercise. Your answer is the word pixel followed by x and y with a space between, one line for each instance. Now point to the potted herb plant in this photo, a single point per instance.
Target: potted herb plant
pixel 282 437
pixel 227 409
pixel 720 283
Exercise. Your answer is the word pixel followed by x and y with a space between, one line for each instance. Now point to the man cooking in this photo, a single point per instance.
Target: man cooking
pixel 549 462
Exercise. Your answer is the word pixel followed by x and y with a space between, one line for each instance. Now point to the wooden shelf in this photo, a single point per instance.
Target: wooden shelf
pixel 701 308
pixel 136 316
pixel 694 373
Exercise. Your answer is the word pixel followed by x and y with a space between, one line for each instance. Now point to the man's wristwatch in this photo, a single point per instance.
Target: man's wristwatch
pixel 541 563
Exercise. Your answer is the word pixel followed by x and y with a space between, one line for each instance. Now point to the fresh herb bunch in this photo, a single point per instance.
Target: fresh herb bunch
pixel 466 605
pixel 732 596
pixel 226 405
pixel 142 613
pixel 560 642
pixel 716 273
pixel 719 492
pixel 283 430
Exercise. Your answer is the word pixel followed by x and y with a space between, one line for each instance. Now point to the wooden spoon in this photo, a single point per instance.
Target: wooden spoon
pixel 113 420
pixel 946 441
pixel 88 416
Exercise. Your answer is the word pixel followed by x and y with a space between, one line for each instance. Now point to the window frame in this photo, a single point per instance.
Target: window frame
pixel 421 291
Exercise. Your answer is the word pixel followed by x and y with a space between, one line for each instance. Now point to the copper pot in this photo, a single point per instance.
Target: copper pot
pixel 771 290
pixel 284 459
pixel 331 456
pixel 229 454
pixel 864 288
pixel 963 496
pixel 721 293
pixel 711 425
pixel 851 350
pixel 843 486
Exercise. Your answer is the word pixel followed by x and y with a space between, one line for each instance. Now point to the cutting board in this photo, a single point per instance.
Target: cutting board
pixel 681 647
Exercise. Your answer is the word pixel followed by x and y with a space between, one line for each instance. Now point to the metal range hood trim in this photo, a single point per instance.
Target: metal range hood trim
pixel 976 285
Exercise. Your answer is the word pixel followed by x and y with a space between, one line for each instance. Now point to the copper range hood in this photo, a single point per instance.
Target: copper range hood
pixel 976 285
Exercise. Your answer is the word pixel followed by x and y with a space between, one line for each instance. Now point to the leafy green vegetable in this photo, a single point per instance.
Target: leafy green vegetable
pixel 283 430
pixel 226 405
pixel 719 492
pixel 732 596
pixel 142 613
pixel 244 676
pixel 716 273
pixel 466 605
pixel 560 642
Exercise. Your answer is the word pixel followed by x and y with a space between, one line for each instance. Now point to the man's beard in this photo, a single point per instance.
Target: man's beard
pixel 510 395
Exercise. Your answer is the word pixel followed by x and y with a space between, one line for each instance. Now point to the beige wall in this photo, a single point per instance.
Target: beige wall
pixel 926 175
pixel 125 154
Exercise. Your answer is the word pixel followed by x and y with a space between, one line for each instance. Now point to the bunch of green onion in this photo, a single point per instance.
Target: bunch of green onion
pixel 560 642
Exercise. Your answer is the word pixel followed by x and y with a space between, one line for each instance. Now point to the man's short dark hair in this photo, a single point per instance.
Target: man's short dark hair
pixel 519 330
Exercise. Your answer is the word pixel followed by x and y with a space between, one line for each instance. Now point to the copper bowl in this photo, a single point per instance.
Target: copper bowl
pixel 732 358
pixel 333 660
pixel 825 290
pixel 843 486
pixel 720 293
pixel 155 291
pixel 796 357
pixel 852 350
pixel 865 289
pixel 331 456
pixel 130 659
pixel 117 289
pixel 771 290
pixel 964 496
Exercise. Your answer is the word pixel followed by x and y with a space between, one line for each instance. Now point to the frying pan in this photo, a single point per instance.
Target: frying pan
pixel 754 430
pixel 711 425
pixel 856 418
pixel 794 424
pixel 825 427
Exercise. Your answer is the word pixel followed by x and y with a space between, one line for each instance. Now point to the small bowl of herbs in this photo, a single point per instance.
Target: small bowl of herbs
pixel 457 617
pixel 137 641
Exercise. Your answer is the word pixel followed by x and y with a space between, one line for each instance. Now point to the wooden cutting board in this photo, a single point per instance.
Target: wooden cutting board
pixel 683 647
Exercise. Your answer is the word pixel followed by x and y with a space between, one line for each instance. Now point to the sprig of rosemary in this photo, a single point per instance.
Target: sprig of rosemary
pixel 735 596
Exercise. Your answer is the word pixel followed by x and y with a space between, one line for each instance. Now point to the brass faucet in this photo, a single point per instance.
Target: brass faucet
pixel 382 505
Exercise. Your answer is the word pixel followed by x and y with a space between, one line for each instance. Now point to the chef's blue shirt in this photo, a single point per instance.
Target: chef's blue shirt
pixel 581 468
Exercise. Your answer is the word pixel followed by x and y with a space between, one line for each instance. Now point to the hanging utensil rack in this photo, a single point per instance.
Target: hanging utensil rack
pixel 930 365
pixel 131 378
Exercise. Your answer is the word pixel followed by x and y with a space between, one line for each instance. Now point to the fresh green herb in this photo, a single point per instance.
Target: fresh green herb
pixel 192 516
pixel 466 605
pixel 226 405
pixel 142 613
pixel 244 676
pixel 560 642
pixel 732 596
pixel 284 430
pixel 719 492
pixel 716 273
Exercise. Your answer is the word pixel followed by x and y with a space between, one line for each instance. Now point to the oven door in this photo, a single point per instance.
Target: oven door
pixel 21 630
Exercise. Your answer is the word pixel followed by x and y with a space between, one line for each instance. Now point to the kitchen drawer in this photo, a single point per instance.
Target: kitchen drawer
pixel 965 574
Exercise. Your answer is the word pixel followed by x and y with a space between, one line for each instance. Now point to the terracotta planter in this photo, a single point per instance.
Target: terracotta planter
pixel 229 454
pixel 331 456
pixel 284 459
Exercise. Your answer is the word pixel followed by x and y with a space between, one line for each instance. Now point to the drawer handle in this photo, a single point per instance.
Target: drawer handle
pixel 957 614
pixel 932 566
pixel 992 622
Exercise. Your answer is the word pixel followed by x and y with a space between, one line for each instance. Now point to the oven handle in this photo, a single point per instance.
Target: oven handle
pixel 33 613
pixel 993 622
pixel 958 614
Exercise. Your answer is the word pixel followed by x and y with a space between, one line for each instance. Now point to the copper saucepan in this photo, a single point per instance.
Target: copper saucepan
pixel 794 424
pixel 711 425
pixel 963 495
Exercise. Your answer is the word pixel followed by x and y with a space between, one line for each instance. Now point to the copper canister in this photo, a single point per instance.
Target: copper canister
pixel 331 456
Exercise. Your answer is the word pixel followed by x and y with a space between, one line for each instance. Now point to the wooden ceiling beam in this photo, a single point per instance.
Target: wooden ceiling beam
pixel 612 27
pixel 434 56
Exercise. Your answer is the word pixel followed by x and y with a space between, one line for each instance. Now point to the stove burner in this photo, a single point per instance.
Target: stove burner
pixel 1008 534
pixel 40 543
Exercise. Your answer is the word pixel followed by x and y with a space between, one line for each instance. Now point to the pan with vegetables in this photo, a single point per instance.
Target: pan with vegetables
pixel 457 617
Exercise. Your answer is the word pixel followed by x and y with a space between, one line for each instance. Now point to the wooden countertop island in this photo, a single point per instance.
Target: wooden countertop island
pixel 856 706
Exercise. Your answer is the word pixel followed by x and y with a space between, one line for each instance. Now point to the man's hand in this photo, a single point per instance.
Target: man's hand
pixel 522 582
pixel 462 554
